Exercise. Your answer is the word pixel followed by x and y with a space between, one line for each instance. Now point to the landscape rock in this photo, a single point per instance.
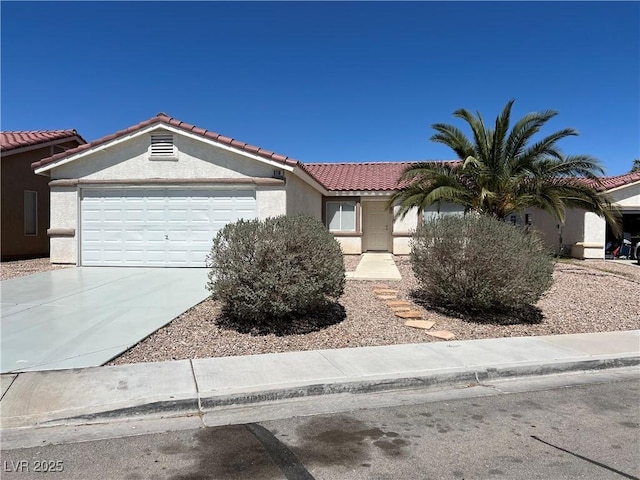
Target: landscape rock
pixel 409 314
pixel 442 334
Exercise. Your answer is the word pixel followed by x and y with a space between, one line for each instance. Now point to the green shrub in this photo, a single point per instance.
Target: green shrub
pixel 476 263
pixel 274 269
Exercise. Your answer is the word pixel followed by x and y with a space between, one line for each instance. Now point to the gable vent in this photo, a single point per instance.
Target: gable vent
pixel 162 145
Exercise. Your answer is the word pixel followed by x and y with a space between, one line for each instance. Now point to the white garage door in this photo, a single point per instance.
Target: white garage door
pixel 157 226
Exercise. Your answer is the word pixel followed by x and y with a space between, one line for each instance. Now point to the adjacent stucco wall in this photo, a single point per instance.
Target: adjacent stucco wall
pixel 270 202
pixel 64 216
pixel 444 209
pixel 403 229
pixel 302 198
pixel 131 160
pixel 627 197
pixel 16 177
pixel 350 245
pixel 547 227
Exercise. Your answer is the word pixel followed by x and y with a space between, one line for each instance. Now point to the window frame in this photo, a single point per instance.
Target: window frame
pixel 353 203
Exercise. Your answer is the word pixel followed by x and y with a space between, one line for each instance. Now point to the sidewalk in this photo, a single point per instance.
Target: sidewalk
pixel 375 266
pixel 80 396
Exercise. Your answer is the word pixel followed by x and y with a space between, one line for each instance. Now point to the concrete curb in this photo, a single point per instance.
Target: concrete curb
pixel 466 377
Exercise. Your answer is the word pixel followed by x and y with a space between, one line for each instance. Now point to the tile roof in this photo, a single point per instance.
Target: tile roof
pixel 163 118
pixel 609 183
pixel 358 176
pixel 13 140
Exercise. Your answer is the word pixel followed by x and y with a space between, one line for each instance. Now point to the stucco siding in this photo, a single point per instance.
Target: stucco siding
pixel 131 160
pixel 548 228
pixel 64 216
pixel 401 245
pixel 407 224
pixel 302 198
pixel 270 202
pixel 627 197
pixel 350 245
pixel 445 209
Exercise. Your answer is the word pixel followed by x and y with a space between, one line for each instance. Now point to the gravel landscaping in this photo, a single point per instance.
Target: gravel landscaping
pixel 21 268
pixel 587 296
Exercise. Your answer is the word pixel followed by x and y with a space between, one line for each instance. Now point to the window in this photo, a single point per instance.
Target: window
pixel 30 213
pixel 444 209
pixel 162 145
pixel 341 216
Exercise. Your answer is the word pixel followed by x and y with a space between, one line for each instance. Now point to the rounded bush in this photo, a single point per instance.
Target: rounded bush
pixel 278 268
pixel 477 263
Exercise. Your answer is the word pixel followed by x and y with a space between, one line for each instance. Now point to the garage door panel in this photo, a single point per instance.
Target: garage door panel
pixel 157 226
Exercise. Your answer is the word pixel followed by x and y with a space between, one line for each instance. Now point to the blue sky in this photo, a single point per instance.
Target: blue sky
pixel 329 81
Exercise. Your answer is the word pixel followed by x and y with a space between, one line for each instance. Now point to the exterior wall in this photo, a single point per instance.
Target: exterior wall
pixel 64 218
pixel 627 197
pixel 583 233
pixel 403 229
pixel 553 233
pixel 17 176
pixel 445 209
pixel 351 245
pixel 131 160
pixel 270 202
pixel 302 198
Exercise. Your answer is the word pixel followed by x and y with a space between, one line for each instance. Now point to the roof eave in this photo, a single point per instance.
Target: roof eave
pixel 45 165
pixel 50 143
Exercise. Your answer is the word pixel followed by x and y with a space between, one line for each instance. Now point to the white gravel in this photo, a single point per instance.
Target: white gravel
pixel 592 296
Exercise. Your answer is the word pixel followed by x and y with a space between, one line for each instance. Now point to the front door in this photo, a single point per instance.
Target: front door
pixel 377 226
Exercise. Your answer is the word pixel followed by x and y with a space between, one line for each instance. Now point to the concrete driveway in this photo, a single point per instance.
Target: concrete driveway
pixel 82 317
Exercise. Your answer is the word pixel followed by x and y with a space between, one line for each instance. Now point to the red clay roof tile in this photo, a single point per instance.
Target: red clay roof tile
pixel 609 183
pixel 13 140
pixel 163 118
pixel 380 176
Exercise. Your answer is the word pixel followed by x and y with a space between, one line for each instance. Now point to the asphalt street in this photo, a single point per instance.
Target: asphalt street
pixel 563 432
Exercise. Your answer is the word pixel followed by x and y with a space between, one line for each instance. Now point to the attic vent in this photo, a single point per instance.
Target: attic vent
pixel 162 145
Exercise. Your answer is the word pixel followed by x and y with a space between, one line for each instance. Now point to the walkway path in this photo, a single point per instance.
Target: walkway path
pixel 376 266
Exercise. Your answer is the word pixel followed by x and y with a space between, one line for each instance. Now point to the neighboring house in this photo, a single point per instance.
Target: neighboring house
pixel 25 196
pixel 156 194
pixel 585 234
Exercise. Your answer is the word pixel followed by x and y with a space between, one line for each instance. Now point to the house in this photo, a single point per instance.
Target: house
pixel 25 196
pixel 156 193
pixel 585 234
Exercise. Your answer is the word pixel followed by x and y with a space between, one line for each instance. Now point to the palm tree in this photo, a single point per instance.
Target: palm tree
pixel 501 172
pixel 636 166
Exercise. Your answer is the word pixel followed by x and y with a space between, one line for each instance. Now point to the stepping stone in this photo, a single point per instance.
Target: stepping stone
pixel 380 285
pixel 386 297
pixel 400 309
pixel 398 303
pixel 385 291
pixel 424 324
pixel 443 334
pixel 409 314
